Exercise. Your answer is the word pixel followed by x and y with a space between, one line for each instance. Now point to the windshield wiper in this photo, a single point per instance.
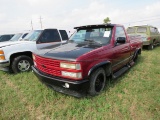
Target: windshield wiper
pixel 91 42
pixel 70 41
pixel 24 40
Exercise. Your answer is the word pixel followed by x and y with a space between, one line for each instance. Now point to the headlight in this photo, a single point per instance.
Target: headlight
pixel 70 66
pixel 2 57
pixel 72 74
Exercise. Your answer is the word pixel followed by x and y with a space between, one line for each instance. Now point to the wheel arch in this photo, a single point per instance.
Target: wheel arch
pixel 139 50
pixel 136 53
pixel 27 53
pixel 105 64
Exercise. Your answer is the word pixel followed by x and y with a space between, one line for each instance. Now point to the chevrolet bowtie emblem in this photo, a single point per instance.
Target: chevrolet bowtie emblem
pixel 43 66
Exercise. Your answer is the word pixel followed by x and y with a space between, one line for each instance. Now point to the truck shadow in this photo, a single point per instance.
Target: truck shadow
pixel 145 48
pixel 114 82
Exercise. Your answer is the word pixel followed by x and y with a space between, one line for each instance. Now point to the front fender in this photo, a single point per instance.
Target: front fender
pixel 18 48
pixel 100 65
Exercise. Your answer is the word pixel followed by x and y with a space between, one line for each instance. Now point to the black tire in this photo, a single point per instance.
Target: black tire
pixel 136 57
pixel 21 63
pixel 97 82
pixel 150 47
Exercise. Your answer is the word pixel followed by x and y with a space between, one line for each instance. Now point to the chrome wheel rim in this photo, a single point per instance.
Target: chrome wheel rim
pixel 23 65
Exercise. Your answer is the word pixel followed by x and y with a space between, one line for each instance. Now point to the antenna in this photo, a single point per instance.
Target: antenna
pixel 31 25
pixel 40 21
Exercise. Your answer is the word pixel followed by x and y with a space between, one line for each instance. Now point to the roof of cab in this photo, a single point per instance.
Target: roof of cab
pixel 95 25
pixel 141 26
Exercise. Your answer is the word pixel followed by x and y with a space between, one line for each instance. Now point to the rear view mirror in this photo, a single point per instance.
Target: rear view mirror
pixel 121 40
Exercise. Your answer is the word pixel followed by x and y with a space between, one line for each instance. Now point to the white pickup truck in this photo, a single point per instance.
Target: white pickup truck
pixel 17 55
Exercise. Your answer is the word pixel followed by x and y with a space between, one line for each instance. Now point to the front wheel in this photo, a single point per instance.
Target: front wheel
pixel 97 82
pixel 21 64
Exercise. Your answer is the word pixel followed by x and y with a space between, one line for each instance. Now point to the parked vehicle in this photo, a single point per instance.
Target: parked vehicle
pixel 4 38
pixel 150 35
pixel 17 55
pixel 18 36
pixel 84 63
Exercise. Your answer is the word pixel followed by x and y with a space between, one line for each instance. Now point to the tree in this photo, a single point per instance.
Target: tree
pixel 106 20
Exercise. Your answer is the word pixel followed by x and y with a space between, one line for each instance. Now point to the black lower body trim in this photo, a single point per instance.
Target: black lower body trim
pixel 4 64
pixel 76 88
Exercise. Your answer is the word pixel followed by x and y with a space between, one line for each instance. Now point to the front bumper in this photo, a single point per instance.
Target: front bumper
pixel 76 88
pixel 146 43
pixel 4 64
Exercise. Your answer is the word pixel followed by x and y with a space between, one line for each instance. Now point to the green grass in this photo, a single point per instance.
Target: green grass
pixel 135 95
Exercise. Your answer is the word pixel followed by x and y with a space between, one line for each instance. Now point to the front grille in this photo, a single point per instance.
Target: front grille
pixel 48 66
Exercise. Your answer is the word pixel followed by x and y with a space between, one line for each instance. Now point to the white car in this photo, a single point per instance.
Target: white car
pixel 17 55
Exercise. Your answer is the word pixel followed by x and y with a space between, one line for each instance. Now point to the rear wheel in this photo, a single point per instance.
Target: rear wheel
pixel 21 64
pixel 97 82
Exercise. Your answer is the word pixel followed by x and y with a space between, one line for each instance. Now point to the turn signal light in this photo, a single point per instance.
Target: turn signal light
pixel 2 57
pixel 1 52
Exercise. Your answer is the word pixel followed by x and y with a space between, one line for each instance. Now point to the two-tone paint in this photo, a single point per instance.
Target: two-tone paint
pixel 111 57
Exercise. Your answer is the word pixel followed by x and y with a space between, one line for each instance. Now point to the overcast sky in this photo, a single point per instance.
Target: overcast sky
pixel 16 15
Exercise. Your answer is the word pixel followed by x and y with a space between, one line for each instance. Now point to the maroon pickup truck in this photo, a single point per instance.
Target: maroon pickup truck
pixel 92 55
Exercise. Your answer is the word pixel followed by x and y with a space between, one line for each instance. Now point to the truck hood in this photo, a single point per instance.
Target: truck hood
pixel 69 51
pixel 10 43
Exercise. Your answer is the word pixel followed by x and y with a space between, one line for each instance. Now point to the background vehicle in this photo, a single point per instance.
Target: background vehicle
pixel 92 54
pixel 17 55
pixel 4 38
pixel 18 36
pixel 150 35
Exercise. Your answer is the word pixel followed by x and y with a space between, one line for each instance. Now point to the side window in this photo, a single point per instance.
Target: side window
pixel 156 30
pixel 131 30
pixel 6 38
pixel 63 34
pixel 153 30
pixel 119 32
pixel 141 29
pixel 10 37
pixel 50 36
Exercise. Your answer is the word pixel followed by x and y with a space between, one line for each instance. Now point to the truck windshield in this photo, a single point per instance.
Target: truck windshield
pixel 16 37
pixel 95 35
pixel 32 36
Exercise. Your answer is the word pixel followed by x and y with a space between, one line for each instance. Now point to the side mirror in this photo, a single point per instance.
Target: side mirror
pixel 121 40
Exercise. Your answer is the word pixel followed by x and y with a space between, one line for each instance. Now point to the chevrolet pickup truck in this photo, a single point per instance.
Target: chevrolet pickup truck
pixel 16 55
pixel 92 55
